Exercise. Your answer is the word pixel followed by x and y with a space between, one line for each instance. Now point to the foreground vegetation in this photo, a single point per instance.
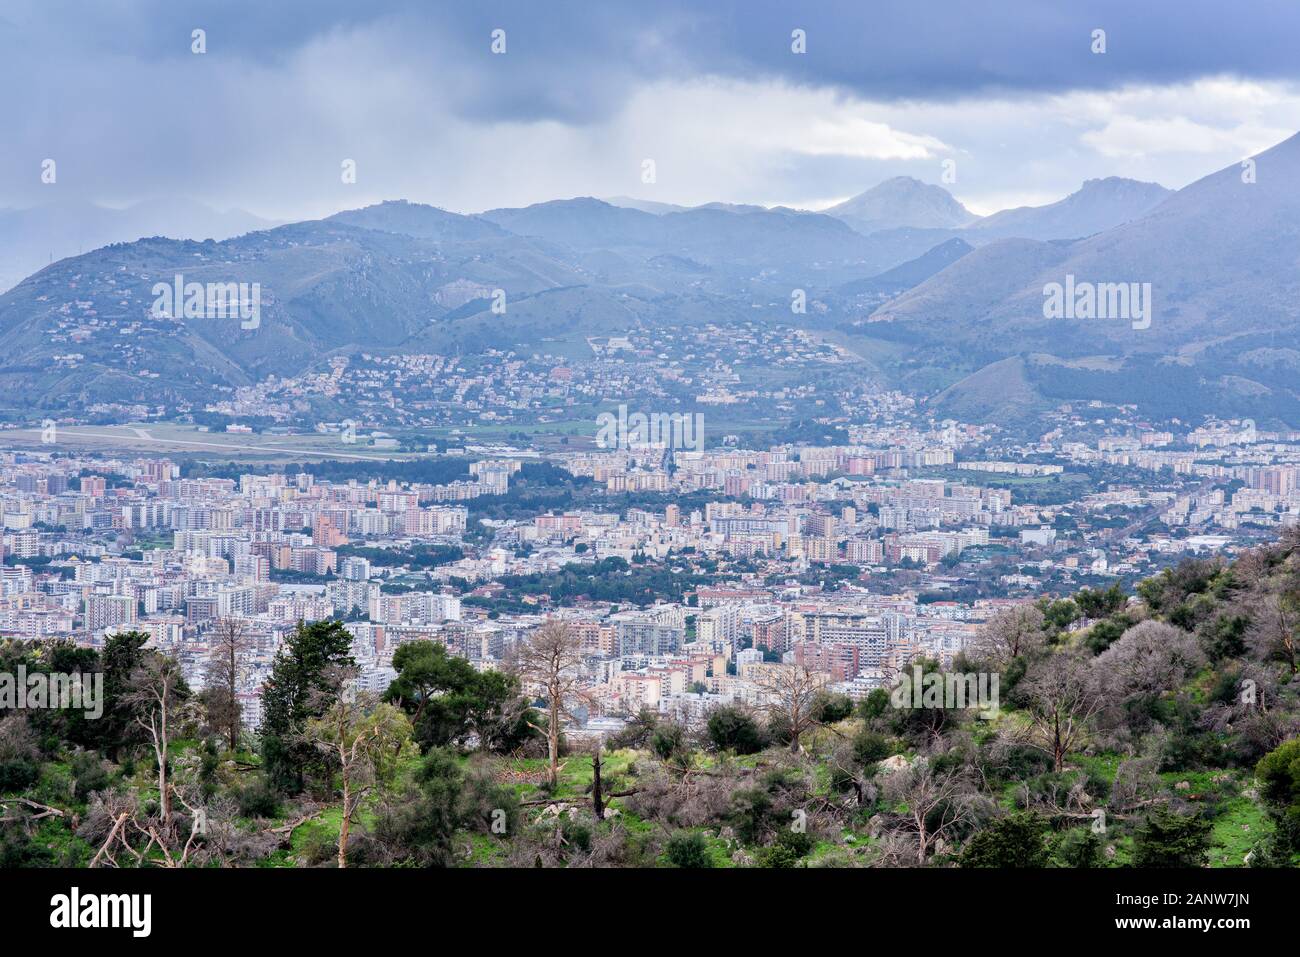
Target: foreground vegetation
pixel 1159 729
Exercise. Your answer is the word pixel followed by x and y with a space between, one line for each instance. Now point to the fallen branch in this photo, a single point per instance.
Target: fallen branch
pixel 112 835
pixel 45 809
pixel 287 829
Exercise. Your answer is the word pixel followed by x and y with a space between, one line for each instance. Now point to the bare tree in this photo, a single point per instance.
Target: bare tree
pixel 597 792
pixel 1272 634
pixel 790 693
pixel 852 773
pixel 550 660
pixel 117 822
pixel 1137 783
pixel 1149 659
pixel 226 664
pixel 156 694
pixel 1061 695
pixel 1011 633
pixel 938 802
pixel 368 740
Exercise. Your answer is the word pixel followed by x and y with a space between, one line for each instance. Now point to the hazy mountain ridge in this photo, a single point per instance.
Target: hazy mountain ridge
pixel 1219 255
pixel 903 202
pixel 1098 205
pixel 36 236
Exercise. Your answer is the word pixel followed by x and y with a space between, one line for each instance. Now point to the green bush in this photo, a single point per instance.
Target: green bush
pixel 732 729
pixel 688 850
pixel 258 799
pixel 1167 839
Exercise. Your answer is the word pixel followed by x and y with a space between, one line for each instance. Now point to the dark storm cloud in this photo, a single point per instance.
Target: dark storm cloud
pixel 290 87
pixel 571 56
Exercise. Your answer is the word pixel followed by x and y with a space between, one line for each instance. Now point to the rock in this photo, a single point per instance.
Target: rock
pixel 741 859
pixel 1182 786
pixel 612 812
pixel 893 763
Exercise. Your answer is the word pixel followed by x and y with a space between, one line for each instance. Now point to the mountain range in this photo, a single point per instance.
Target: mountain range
pixel 1220 258
pixel 934 298
pixel 34 237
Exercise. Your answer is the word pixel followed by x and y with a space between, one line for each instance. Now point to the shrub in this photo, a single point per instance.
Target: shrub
pixel 732 729
pixel 1017 840
pixel 688 850
pixel 88 774
pixel 1166 839
pixel 258 799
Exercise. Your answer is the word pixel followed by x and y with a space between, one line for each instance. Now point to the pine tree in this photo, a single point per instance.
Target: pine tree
pixel 305 681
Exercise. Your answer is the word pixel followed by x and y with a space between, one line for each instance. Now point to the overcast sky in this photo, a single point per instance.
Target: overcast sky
pixel 585 92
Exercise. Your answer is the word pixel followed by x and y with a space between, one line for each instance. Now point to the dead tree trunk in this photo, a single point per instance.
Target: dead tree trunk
pixel 597 798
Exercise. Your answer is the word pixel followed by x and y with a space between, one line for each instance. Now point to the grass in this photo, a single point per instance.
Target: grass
pixel 1104 766
pixel 1241 826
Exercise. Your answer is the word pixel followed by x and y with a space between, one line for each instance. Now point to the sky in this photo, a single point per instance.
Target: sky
pixel 1010 91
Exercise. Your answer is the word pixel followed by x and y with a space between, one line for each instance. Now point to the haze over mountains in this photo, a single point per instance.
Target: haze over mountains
pixel 903 202
pixel 1221 257
pixel 932 298
pixel 1100 204
pixel 34 237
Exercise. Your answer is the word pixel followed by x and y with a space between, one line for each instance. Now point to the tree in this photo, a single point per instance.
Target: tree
pixel 1167 839
pixel 788 696
pixel 1078 847
pixel 1151 658
pixel 1010 633
pixel 733 729
pixel 1017 840
pixel 870 747
pixel 418 829
pixel 670 745
pixel 832 708
pixel 1099 604
pixel 367 741
pixel 1058 615
pixel 305 680
pixel 597 785
pixel 157 691
pixel 123 654
pixel 1272 635
pixel 937 803
pixel 550 659
pixel 1060 695
pixel 1279 777
pixel 449 700
pixel 226 665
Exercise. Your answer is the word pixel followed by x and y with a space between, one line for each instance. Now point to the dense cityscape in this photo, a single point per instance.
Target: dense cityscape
pixel 682 570
pixel 533 465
